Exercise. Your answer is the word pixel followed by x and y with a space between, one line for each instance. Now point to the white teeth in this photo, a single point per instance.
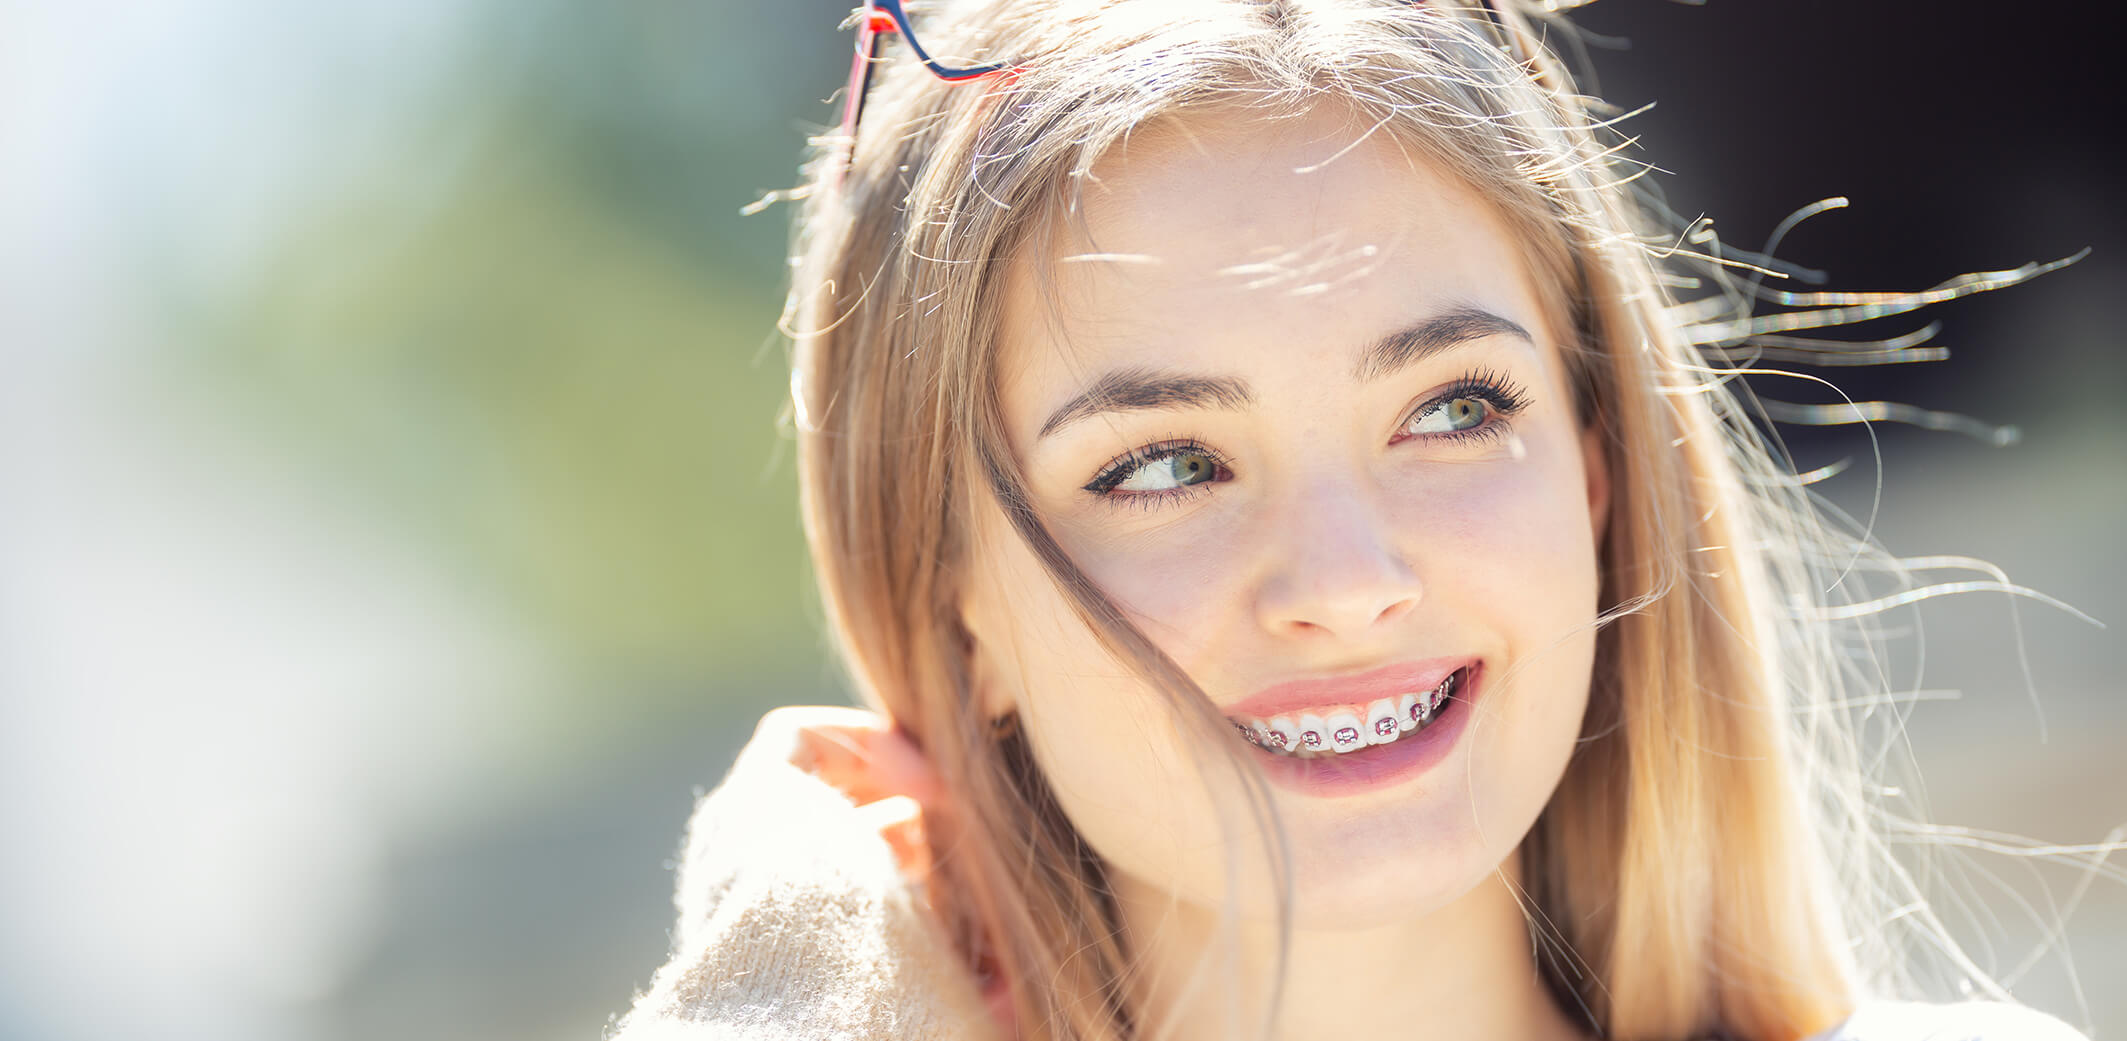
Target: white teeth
pixel 1314 737
pixel 1381 725
pixel 1346 732
pixel 1446 688
pixel 1421 711
pixel 1349 729
pixel 1284 735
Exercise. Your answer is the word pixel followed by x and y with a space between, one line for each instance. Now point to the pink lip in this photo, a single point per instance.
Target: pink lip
pixel 1387 682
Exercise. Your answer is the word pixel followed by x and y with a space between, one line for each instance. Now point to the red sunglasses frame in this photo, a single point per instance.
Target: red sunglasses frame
pixel 874 19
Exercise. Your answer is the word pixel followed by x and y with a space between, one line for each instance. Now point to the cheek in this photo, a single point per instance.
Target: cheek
pixel 1509 547
pixel 1099 733
pixel 1512 533
pixel 1179 584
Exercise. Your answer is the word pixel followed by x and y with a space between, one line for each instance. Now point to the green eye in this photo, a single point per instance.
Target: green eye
pixel 1175 470
pixel 1452 416
pixel 1191 467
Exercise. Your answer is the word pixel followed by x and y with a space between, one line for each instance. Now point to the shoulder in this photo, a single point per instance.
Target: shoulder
pixel 1963 1021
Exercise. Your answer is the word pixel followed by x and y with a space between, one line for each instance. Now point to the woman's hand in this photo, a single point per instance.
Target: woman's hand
pixel 788 911
pixel 865 757
pixel 896 790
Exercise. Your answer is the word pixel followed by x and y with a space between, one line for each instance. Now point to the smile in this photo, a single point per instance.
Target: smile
pixel 1332 738
pixel 1346 729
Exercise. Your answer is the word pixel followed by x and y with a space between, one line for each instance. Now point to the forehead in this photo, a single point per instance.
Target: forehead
pixel 1200 237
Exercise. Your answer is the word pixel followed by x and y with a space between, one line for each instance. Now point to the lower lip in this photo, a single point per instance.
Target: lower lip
pixel 1378 766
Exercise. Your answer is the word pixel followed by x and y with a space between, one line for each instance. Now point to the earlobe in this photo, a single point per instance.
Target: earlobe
pixel 978 665
pixel 1595 464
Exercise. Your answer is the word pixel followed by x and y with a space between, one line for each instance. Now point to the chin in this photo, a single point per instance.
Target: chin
pixel 1363 872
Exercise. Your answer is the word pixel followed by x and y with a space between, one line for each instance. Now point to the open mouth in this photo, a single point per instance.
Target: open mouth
pixel 1339 731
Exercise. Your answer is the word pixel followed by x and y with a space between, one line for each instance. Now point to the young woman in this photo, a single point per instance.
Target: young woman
pixel 1311 566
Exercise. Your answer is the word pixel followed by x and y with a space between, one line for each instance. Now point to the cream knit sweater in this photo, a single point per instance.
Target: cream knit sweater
pixel 795 925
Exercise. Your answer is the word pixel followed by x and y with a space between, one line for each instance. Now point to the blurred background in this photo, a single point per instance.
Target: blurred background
pixel 396 531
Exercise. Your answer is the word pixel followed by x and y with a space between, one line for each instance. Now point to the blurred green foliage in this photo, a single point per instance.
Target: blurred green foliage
pixel 543 337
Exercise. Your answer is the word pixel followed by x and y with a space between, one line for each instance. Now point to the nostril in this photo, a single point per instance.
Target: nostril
pixel 1354 616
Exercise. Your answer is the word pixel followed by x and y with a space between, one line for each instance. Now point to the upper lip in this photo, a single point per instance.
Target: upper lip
pixel 1389 681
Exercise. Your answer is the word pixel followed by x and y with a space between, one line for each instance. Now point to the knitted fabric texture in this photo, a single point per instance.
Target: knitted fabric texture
pixel 796 923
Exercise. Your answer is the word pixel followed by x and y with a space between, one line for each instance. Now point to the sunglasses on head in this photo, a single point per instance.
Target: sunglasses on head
pixel 874 19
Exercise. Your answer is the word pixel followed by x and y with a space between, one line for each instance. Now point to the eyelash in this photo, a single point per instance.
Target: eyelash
pixel 1122 467
pixel 1498 391
pixel 1495 389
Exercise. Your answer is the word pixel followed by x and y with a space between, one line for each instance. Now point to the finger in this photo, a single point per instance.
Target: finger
pixel 830 754
pixel 899 820
pixel 780 733
pixel 900 764
pixel 870 763
pixel 843 757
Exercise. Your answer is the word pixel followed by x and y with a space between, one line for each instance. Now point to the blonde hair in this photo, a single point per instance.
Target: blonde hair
pixel 1702 867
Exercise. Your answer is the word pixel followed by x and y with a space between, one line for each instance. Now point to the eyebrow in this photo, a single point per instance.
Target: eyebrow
pixel 1139 390
pixel 1407 347
pixel 1142 390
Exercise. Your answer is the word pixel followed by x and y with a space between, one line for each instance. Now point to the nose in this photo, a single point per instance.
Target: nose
pixel 1337 567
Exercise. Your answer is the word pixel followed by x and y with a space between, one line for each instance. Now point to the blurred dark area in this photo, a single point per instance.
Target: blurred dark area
pixel 1968 137
pixel 397 529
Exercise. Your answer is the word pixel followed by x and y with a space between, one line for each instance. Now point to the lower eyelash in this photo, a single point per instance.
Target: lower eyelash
pixel 1488 432
pixel 1155 500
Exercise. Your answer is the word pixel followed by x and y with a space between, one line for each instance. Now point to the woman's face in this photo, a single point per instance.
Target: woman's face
pixel 1298 413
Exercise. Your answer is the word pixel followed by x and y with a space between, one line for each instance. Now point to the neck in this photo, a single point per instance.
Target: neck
pixel 1465 972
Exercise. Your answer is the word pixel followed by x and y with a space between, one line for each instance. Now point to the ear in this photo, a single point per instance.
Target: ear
pixel 979 605
pixel 981 665
pixel 1595 465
